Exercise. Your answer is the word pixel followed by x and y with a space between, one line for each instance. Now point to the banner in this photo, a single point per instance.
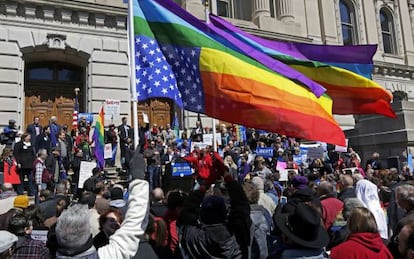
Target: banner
pixel 266 152
pixel 181 169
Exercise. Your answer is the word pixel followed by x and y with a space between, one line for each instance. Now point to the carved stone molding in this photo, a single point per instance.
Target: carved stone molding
pixel 400 72
pixel 56 41
pixel 62 14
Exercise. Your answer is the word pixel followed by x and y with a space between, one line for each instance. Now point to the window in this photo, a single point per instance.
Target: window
pixel 348 24
pixel 387 31
pixel 54 72
pixel 237 9
pixel 224 8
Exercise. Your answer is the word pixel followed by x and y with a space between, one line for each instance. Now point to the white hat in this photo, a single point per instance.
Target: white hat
pixel 7 240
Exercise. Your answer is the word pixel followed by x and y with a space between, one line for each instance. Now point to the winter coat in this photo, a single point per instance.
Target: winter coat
pixel 259 232
pixel 361 245
pixel 25 155
pixel 10 171
pixel 230 240
pixel 124 242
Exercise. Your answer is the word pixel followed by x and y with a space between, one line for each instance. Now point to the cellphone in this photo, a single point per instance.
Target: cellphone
pixel 283 200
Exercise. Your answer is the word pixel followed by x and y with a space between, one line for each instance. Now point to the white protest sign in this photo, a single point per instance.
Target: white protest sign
pixel 208 139
pixel 108 151
pixel 342 149
pixel 145 118
pixel 85 172
pixel 40 235
pixel 198 144
pixel 112 108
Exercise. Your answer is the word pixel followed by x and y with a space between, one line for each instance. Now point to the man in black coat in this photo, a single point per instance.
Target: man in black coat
pixel 34 129
pixel 218 235
pixel 43 141
pixel 125 132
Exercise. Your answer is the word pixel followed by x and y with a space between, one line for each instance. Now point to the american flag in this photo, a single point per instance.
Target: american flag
pixel 170 72
pixel 75 114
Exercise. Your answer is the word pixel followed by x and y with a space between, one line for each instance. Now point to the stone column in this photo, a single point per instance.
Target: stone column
pixel 285 10
pixel 261 8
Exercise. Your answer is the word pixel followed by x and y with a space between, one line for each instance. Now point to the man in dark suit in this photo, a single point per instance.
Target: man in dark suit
pixel 34 129
pixel 43 141
pixel 125 132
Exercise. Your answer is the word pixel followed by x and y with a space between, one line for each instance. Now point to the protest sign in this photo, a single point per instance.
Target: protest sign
pixel 40 235
pixel 181 169
pixel 315 153
pixel 112 109
pixel 87 116
pixel 281 166
pixel 201 145
pixel 265 152
pixel 145 118
pixel 208 139
pixel 85 172
pixel 108 151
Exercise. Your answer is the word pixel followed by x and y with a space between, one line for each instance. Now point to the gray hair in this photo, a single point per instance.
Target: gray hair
pixel 61 188
pixel 41 151
pixel 73 229
pixel 349 205
pixel 405 193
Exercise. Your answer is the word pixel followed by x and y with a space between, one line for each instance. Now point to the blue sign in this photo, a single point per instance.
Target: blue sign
pixel 88 116
pixel 181 169
pixel 265 152
pixel 410 161
pixel 297 159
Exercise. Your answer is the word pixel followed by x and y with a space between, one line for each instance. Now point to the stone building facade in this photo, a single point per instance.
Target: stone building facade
pixel 50 47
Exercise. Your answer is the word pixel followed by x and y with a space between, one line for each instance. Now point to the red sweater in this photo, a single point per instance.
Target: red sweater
pixel 361 246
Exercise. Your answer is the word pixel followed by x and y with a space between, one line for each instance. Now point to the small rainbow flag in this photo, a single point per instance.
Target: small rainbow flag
pixel 98 137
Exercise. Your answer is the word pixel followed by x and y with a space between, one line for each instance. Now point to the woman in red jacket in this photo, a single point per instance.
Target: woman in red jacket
pixel 364 240
pixel 10 168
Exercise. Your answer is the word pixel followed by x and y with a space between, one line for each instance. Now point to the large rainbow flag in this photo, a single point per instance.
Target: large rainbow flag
pixel 98 137
pixel 180 57
pixel 344 71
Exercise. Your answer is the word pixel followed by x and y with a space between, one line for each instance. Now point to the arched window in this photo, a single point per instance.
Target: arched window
pixel 348 23
pixel 387 31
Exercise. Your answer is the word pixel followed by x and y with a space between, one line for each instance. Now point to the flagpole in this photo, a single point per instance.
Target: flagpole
pixel 131 41
pixel 213 120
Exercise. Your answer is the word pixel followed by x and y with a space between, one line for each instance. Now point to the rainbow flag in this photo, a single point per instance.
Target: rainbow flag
pixel 98 137
pixel 216 80
pixel 344 71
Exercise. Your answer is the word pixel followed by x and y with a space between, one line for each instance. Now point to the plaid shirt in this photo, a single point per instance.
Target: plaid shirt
pixel 28 248
pixel 40 166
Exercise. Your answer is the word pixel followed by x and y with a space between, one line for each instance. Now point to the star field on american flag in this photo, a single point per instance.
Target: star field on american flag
pixel 169 71
pixel 154 77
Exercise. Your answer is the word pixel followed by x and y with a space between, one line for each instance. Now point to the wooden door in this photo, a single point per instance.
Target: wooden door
pixel 61 107
pixel 159 111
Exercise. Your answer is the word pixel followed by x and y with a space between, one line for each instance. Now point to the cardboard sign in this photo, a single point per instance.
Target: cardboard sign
pixel 181 169
pixel 85 172
pixel 265 152
pixel 284 174
pixel 108 151
pixel 112 109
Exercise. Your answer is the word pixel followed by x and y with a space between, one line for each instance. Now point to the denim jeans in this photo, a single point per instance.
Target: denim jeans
pixel 153 176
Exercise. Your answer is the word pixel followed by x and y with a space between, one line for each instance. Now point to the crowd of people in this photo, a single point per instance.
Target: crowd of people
pixel 236 206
